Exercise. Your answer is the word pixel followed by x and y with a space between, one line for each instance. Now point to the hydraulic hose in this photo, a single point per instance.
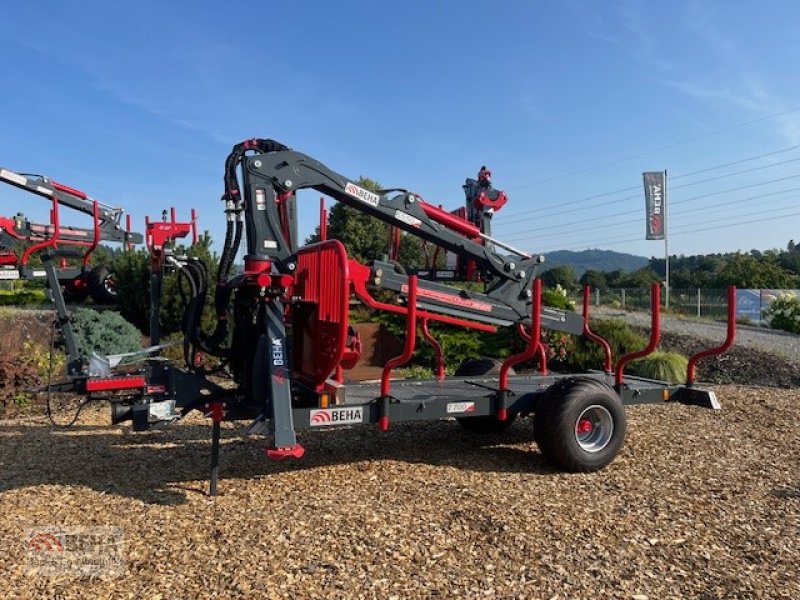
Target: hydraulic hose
pixel 233 238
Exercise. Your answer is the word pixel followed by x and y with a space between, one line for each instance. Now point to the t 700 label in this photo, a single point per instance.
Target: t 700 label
pixel 460 407
pixel 336 416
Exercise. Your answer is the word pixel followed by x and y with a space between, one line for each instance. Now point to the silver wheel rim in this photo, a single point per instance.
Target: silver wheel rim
pixel 110 286
pixel 594 428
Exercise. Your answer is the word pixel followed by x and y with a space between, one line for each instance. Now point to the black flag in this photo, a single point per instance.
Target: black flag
pixel 655 199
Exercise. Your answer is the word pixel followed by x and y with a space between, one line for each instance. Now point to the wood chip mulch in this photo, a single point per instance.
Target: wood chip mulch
pixel 697 505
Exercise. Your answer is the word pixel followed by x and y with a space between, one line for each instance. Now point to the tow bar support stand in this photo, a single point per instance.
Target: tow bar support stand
pixel 74 364
pixel 217 413
pixel 280 404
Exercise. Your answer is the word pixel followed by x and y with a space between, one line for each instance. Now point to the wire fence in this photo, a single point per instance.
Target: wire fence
pixel 698 302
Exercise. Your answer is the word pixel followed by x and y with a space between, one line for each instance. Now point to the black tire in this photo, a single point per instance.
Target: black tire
pixel 102 286
pixel 580 425
pixel 479 367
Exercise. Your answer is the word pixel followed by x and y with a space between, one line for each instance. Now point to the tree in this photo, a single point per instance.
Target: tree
pixel 563 275
pixel 132 271
pixel 594 279
pixel 745 271
pixel 366 237
pixel 640 278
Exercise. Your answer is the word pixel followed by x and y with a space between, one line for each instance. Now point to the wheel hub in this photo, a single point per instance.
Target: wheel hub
pixel 594 428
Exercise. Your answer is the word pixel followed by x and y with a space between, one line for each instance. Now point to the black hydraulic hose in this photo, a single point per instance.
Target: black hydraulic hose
pixel 237 240
pixel 192 311
pixel 264 146
pixel 227 251
pixel 198 275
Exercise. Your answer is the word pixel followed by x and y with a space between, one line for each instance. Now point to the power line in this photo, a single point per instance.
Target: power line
pixel 532 232
pixel 742 172
pixel 736 162
pixel 729 202
pixel 659 149
pixel 514 215
pixel 550 228
pixel 639 219
pixel 615 241
pixel 736 189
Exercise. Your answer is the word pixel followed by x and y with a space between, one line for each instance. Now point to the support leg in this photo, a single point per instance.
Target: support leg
pixel 54 285
pixel 279 386
pixel 217 412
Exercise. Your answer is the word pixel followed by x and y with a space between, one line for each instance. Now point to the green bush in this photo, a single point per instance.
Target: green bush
pixel 664 366
pixel 22 297
pixel 103 332
pixel 132 271
pixel 458 344
pixel 784 313
pixel 556 297
pixel 583 354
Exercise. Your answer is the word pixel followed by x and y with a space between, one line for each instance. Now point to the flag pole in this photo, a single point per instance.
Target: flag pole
pixel 666 243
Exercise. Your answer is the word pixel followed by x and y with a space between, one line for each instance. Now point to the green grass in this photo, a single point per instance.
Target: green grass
pixel 664 366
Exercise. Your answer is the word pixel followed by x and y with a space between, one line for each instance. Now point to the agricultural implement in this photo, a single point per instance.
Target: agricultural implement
pixel 283 335
pixel 64 250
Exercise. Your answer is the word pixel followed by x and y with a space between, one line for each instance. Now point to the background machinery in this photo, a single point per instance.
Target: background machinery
pixel 67 249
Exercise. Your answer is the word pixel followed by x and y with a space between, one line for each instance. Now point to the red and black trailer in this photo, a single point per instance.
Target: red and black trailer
pixel 68 248
pixel 284 338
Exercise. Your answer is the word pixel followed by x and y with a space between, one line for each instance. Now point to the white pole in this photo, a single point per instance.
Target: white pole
pixel 666 243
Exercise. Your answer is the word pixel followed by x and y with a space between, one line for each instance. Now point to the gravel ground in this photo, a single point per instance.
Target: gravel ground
pixel 780 343
pixel 697 505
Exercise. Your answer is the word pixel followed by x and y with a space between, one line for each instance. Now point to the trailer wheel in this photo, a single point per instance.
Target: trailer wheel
pixel 580 425
pixel 477 367
pixel 102 286
pixel 75 292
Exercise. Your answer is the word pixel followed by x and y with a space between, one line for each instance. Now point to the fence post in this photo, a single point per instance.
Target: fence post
pixel 597 297
pixel 623 297
pixel 698 302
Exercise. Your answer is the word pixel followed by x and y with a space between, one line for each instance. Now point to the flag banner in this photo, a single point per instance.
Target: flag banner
pixel 655 201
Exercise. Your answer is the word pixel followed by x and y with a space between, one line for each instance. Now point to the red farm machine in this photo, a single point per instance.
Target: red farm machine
pixel 283 333
pixel 65 251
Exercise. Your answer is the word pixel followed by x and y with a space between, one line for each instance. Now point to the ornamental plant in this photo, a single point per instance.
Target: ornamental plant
pixel 556 297
pixel 103 332
pixel 784 313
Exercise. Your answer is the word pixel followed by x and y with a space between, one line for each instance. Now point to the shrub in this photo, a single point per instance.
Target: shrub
pixel 556 297
pixel 458 344
pixel 103 332
pixel 414 372
pixel 784 313
pixel 559 348
pixel 22 297
pixel 37 357
pixel 664 366
pixel 132 271
pixel 589 355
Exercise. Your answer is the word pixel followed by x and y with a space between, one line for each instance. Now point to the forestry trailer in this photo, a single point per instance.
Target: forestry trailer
pixel 282 332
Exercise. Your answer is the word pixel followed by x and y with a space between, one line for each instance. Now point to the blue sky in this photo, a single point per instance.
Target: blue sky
pixel 139 103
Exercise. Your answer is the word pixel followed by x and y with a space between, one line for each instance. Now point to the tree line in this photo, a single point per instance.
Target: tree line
pixel 770 269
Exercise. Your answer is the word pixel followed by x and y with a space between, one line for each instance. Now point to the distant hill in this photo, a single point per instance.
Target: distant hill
pixel 599 260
